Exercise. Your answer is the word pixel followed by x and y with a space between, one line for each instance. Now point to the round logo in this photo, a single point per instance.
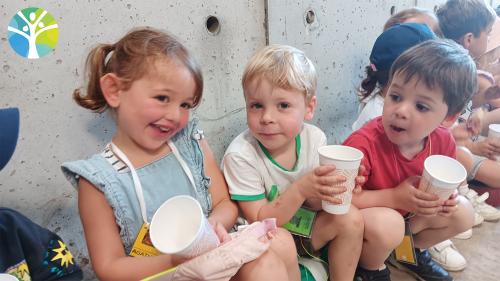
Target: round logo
pixel 33 33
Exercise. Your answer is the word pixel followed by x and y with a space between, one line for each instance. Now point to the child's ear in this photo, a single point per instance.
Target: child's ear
pixel 467 40
pixel 450 120
pixel 110 87
pixel 310 108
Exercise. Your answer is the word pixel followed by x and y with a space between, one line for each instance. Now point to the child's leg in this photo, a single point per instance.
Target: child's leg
pixel 276 263
pixel 284 246
pixel 432 230
pixel 345 234
pixel 480 168
pixel 489 173
pixel 384 231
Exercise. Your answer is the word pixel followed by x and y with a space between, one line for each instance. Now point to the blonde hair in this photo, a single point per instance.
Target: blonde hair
pixel 285 67
pixel 130 59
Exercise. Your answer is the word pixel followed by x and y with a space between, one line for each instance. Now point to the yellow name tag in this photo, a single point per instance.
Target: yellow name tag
pixel 405 252
pixel 143 246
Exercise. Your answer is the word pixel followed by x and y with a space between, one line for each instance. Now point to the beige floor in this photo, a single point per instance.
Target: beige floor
pixel 482 252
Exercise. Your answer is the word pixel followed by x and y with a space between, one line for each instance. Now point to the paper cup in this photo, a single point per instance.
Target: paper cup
pixel 7 277
pixel 442 175
pixel 494 132
pixel 180 228
pixel 346 160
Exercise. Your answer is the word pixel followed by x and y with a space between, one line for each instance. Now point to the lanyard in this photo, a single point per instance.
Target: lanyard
pixel 137 182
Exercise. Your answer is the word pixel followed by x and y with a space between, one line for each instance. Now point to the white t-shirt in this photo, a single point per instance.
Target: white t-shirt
pixel 372 108
pixel 251 173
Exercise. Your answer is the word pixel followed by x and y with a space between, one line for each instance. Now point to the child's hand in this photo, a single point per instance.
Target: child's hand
pixel 360 179
pixel 220 231
pixel 410 198
pixel 487 147
pixel 320 183
pixel 475 122
pixel 450 205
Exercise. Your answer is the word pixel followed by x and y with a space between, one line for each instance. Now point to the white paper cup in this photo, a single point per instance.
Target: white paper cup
pixel 346 160
pixel 494 132
pixel 7 277
pixel 180 228
pixel 442 175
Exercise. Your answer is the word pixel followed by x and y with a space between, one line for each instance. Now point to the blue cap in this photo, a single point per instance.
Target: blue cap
pixel 9 131
pixel 395 40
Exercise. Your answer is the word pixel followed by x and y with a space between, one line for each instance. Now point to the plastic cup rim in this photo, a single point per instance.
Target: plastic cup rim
pixel 358 157
pixel 199 223
pixel 433 176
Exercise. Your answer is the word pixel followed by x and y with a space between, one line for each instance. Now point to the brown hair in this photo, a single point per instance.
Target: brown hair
pixel 405 15
pixel 130 59
pixel 440 64
pixel 459 17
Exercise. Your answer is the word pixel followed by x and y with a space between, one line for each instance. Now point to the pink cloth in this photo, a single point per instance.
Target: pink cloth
pixel 222 263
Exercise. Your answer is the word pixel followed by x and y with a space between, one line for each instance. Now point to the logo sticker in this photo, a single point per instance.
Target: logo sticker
pixel 33 33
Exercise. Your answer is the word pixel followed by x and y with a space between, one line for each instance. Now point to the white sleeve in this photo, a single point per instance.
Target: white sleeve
pixel 244 181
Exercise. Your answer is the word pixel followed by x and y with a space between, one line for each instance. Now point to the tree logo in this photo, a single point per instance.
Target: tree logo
pixel 33 33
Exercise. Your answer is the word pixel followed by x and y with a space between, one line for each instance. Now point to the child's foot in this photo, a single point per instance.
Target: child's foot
pixel 448 256
pixel 372 275
pixel 488 212
pixel 426 270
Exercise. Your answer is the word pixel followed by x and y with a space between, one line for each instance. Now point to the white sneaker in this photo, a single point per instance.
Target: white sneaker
pixel 488 212
pixel 478 219
pixel 448 256
pixel 464 235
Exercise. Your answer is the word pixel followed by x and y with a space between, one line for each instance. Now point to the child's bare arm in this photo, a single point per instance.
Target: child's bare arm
pixel 318 184
pixel 109 260
pixel 224 210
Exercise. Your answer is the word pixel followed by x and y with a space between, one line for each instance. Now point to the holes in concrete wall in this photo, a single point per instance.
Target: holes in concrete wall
pixel 310 17
pixel 393 10
pixel 213 25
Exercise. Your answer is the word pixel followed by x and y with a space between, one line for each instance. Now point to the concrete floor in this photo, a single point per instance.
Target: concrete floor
pixel 482 252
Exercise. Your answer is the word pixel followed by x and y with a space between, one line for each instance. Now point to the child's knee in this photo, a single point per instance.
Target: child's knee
pixel 270 261
pixel 283 244
pixel 387 229
pixel 352 222
pixel 463 217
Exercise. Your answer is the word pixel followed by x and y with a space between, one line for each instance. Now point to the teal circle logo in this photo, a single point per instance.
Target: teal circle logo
pixel 33 33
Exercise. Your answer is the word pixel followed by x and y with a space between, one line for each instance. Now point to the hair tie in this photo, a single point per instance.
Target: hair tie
pixel 109 55
pixel 373 67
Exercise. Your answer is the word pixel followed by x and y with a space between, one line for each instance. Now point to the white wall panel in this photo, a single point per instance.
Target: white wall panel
pixel 339 42
pixel 54 129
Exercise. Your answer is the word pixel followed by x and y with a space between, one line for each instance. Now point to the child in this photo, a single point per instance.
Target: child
pixel 272 168
pixel 417 15
pixel 150 82
pixel 428 84
pixel 469 22
pixel 388 46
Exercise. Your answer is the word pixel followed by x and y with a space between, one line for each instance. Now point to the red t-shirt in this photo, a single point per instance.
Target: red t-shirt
pixel 385 166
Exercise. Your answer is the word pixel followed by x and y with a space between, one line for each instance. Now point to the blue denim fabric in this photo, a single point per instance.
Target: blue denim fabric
pixel 160 180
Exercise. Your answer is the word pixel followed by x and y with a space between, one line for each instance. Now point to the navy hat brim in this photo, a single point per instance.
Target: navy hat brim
pixel 9 132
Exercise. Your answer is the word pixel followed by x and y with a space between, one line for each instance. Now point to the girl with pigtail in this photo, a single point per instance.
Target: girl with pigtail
pixel 150 83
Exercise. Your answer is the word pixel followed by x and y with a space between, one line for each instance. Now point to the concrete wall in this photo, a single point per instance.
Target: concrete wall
pixel 338 38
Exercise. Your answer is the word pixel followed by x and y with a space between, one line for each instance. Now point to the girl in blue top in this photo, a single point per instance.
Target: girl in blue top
pixel 150 83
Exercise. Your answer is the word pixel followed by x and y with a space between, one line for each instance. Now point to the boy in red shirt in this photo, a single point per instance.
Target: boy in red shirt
pixel 429 84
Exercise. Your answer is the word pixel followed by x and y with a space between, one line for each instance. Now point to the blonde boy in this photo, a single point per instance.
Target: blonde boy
pixel 429 84
pixel 272 167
